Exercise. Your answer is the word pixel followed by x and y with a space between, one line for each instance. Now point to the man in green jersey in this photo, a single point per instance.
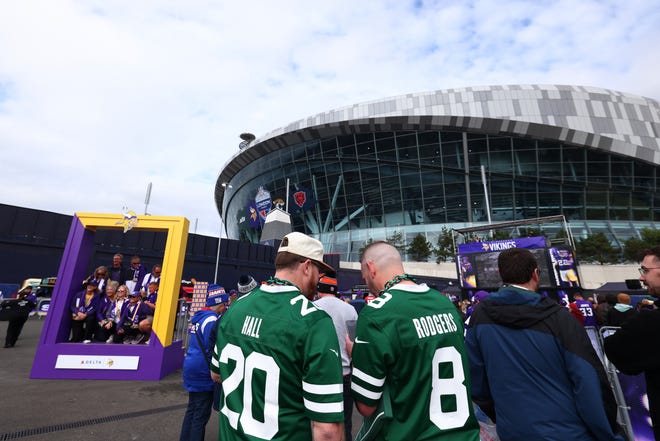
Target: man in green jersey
pixel 278 356
pixel 410 341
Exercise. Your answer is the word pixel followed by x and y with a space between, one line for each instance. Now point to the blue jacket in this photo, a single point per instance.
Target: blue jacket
pixel 532 361
pixel 196 369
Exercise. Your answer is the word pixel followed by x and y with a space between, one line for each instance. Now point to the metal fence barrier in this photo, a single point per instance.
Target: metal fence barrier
pixel 182 324
pixel 623 416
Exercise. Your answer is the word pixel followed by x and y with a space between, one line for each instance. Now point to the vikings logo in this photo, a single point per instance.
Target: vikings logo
pixel 129 219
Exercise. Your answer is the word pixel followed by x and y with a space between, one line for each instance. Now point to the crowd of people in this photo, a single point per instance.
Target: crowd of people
pixel 290 358
pixel 116 304
pixel 292 361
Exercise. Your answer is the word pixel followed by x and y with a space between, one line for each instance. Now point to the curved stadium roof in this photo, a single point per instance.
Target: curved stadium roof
pixel 608 120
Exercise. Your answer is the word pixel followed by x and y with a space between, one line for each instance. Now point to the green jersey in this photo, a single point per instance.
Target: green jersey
pixel 280 364
pixel 410 338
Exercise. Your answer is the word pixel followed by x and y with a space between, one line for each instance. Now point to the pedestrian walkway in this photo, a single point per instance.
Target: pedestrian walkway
pixel 84 410
pixel 71 410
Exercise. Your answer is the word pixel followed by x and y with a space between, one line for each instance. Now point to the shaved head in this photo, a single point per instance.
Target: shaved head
pixel 383 255
pixel 379 262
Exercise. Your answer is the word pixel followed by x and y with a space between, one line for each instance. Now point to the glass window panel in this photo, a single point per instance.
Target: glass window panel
pixel 329 148
pixel 549 199
pixel 456 206
pixel 478 153
pixel 434 209
pixel 596 213
pixel 598 167
pixel 549 160
pixel 385 146
pixel 499 144
pixel 409 179
pixel 622 171
pixel 408 155
pixel 429 153
pixel 572 202
pixel 644 176
pixel 451 149
pixel 573 164
pixel 429 145
pixel 313 149
pixel 346 146
pixel 500 159
pixel 406 139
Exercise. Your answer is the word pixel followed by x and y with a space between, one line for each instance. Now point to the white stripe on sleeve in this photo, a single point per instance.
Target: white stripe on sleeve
pixel 322 389
pixel 366 393
pixel 378 382
pixel 324 407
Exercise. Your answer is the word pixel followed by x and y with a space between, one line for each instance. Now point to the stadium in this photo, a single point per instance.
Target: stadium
pixel 454 158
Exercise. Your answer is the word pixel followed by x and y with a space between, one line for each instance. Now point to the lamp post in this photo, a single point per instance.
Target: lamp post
pixel 226 186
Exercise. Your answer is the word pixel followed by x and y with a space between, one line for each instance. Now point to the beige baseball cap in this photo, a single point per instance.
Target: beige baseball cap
pixel 305 246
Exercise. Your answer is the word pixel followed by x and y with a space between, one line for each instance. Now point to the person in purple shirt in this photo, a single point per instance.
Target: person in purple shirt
pixel 478 297
pixel 83 313
pixel 136 274
pixel 586 308
pixel 150 303
pixel 128 331
pixel 105 314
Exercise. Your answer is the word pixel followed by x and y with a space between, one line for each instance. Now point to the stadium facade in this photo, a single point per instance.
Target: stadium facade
pixel 414 164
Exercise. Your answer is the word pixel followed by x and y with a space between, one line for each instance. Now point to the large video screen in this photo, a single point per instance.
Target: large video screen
pixel 477 263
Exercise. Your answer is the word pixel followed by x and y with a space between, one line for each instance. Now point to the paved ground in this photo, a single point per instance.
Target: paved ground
pixel 72 410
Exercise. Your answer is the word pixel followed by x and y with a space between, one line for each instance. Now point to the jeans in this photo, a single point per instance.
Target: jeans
pixel 197 415
pixel 348 408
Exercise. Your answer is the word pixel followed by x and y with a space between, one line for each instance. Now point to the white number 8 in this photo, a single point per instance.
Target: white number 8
pixel 449 386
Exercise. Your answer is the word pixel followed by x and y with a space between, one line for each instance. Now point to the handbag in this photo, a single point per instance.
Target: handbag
pixel 128 324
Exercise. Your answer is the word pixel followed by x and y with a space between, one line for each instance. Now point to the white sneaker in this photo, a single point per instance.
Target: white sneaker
pixel 87 341
pixel 109 340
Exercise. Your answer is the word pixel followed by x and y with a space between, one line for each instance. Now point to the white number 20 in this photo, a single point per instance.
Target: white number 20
pixel 449 386
pixel 243 373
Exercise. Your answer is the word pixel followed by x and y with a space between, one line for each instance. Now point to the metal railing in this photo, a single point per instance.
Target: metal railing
pixel 182 324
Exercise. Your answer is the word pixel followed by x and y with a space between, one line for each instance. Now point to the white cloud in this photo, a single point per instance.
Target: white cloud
pixel 97 98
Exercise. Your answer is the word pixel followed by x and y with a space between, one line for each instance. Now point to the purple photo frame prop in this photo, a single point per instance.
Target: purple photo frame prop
pixel 154 361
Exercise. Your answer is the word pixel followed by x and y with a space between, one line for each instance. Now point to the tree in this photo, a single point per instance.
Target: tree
pixel 396 240
pixel 597 248
pixel 634 246
pixel 501 235
pixel 445 250
pixel 419 249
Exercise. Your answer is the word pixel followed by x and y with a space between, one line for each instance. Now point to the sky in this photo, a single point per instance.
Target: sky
pixel 100 98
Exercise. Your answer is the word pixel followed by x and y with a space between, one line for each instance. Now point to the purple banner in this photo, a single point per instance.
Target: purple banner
pixel 634 391
pixel 501 245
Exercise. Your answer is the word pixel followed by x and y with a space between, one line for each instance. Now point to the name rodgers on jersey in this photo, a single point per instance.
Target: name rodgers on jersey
pixel 430 325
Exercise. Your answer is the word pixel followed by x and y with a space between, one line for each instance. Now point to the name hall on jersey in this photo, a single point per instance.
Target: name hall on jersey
pixel 251 326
